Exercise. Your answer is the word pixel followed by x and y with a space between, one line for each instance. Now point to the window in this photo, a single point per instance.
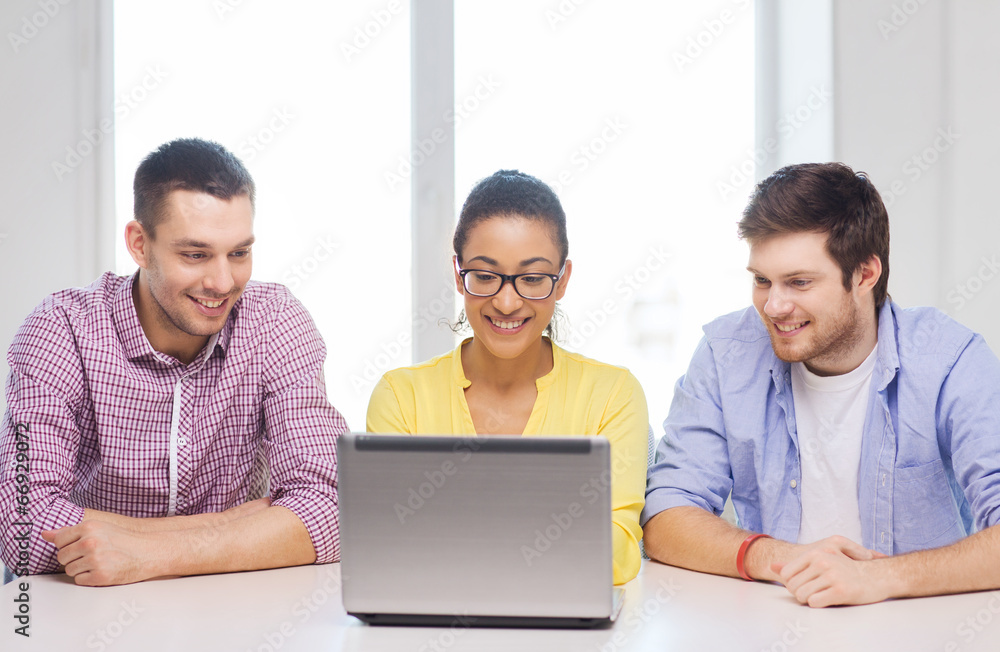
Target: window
pixel 314 98
pixel 639 114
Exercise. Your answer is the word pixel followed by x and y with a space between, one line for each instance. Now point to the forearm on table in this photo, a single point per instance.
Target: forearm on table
pixel 150 525
pixel 690 537
pixel 966 565
pixel 270 538
pixel 173 523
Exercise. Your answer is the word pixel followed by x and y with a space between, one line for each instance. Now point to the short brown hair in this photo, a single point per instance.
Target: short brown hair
pixel 187 164
pixel 826 198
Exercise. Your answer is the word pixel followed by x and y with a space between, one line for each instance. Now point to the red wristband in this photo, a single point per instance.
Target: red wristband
pixel 740 568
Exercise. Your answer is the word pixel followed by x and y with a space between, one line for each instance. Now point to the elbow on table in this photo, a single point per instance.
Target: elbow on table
pixel 23 552
pixel 658 539
pixel 319 517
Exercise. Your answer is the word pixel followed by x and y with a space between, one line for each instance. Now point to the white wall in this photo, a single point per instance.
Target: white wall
pixel 914 104
pixel 54 232
pixel 794 85
pixel 907 72
pixel 893 90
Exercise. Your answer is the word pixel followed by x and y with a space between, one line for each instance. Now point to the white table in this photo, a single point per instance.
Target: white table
pixel 299 609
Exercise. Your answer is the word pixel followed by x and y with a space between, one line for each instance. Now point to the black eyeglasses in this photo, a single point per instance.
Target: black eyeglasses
pixel 533 285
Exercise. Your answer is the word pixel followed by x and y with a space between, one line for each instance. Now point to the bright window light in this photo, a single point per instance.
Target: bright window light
pixel 315 99
pixel 635 112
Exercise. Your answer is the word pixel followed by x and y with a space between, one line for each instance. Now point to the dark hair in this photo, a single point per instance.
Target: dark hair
pixel 186 164
pixel 824 198
pixel 510 193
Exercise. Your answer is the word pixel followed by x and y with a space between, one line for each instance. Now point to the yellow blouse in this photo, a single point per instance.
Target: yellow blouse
pixel 579 396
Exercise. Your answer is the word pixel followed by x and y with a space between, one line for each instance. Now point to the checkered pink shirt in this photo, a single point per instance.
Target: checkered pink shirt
pixel 115 426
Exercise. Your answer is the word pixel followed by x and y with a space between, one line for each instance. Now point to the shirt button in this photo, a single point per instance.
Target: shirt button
pixel 182 441
pixel 793 484
pixel 883 537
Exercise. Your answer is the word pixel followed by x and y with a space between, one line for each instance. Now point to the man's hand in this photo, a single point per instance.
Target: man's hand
pixel 832 571
pixel 104 552
pixel 95 553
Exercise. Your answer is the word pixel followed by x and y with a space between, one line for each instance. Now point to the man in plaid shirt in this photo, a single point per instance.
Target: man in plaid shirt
pixel 174 422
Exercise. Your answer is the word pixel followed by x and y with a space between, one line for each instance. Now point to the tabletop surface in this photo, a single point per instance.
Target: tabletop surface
pixel 299 608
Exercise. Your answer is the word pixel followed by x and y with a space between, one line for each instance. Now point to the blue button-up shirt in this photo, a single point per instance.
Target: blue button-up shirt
pixel 930 455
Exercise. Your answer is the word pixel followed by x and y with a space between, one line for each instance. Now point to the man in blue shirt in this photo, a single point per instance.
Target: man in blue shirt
pixel 863 437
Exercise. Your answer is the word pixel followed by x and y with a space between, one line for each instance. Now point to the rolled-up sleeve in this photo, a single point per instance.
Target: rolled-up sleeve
pixel 39 442
pixel 969 420
pixel 302 429
pixel 692 465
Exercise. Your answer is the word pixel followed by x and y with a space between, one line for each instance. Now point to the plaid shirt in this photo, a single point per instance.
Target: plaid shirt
pixel 108 423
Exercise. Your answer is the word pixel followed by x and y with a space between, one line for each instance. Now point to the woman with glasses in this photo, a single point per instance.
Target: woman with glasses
pixel 510 377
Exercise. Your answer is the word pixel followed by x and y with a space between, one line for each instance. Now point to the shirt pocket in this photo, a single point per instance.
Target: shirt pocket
pixel 923 509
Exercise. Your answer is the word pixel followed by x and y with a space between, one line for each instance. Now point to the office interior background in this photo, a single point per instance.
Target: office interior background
pixel 366 123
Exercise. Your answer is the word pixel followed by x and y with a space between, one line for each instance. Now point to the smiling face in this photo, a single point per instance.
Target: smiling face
pixel 506 325
pixel 193 271
pixel 800 296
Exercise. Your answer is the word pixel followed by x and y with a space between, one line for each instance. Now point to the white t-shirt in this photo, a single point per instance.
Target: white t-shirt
pixel 830 418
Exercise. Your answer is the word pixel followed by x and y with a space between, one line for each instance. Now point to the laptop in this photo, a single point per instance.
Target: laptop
pixel 498 531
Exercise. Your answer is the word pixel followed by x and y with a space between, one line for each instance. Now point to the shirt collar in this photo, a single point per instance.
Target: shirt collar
pixel 457 370
pixel 780 370
pixel 127 322
pixel 133 338
pixel 887 360
pixel 557 361
pixel 226 334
